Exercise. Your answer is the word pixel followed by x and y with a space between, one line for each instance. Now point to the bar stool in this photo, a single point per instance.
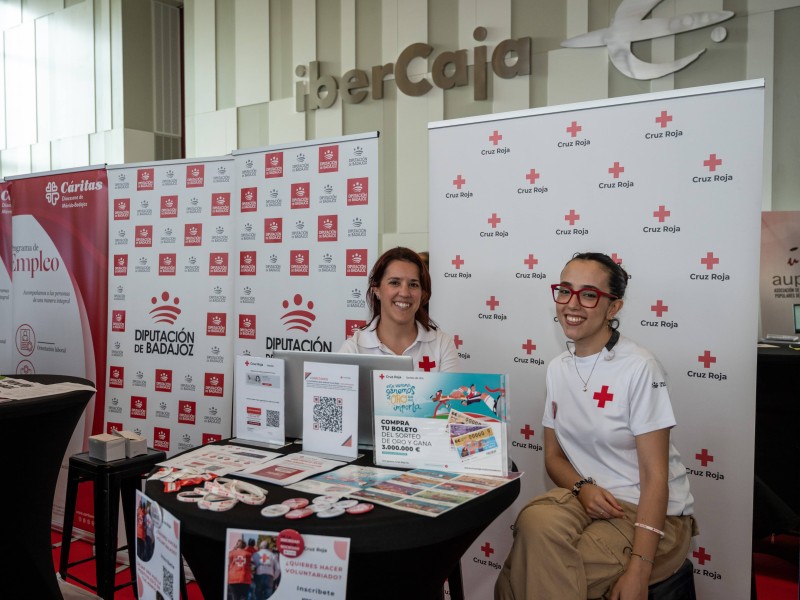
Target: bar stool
pixel 112 480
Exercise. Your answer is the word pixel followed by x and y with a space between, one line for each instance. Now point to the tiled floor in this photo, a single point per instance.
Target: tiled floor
pixel 80 549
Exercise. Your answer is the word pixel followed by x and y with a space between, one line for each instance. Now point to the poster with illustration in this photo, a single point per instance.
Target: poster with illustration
pixel 158 551
pixel 284 565
pixel 443 421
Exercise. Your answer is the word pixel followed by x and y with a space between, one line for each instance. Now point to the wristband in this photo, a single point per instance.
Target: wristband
pixel 191 496
pixel 238 490
pixel 644 558
pixel 653 529
pixel 219 486
pixel 576 489
pixel 247 492
pixel 217 503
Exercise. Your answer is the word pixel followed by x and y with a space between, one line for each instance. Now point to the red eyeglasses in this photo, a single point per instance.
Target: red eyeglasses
pixel 587 297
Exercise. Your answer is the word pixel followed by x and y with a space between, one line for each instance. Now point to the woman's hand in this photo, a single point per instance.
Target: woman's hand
pixel 599 503
pixel 631 586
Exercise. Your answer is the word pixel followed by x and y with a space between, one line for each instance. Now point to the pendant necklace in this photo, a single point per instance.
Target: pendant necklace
pixel 609 346
pixel 585 381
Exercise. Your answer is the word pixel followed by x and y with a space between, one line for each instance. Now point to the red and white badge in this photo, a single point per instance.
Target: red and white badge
pixel 290 543
pixel 360 508
pixel 299 513
pixel 296 502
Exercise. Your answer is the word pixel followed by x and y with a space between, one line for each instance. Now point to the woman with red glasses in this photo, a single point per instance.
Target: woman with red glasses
pixel 620 516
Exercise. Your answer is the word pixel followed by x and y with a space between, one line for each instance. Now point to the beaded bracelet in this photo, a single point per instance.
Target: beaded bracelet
pixel 653 529
pixel 644 558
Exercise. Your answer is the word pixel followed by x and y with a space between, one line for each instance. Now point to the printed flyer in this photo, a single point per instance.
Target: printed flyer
pixel 285 565
pixel 258 400
pixel 330 409
pixel 430 493
pixel 158 551
pixel 342 482
pixel 452 422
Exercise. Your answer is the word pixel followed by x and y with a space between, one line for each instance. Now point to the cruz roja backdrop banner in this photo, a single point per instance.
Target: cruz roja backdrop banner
pixel 670 185
pixel 307 238
pixel 59 263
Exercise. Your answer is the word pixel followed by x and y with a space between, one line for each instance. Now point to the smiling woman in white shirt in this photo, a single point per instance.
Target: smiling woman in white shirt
pixel 620 516
pixel 399 290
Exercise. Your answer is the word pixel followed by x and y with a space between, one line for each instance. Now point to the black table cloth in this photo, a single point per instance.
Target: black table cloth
pixel 393 554
pixel 34 435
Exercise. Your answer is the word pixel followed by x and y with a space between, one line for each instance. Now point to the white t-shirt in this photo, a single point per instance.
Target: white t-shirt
pixel 626 396
pixel 433 350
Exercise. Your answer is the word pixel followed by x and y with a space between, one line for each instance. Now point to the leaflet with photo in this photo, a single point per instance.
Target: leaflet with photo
pixel 258 400
pixel 158 550
pixel 415 413
pixel 285 565
pixel 290 468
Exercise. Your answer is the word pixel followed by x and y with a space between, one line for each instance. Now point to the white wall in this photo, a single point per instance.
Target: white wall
pixel 68 100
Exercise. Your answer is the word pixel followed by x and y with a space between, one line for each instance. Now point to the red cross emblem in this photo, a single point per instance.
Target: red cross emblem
pixel 532 176
pixel 616 170
pixel 574 129
pixel 709 261
pixel 707 359
pixel 572 216
pixel 603 396
pixel 701 556
pixel 426 364
pixel 661 214
pixel 712 162
pixel 659 308
pixel 704 457
pixel 663 119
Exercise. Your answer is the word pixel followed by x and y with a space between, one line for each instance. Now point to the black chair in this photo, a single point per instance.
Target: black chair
pixel 678 586
pixel 112 481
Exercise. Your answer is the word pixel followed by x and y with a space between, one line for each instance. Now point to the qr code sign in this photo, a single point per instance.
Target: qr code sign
pixel 273 418
pixel 167 586
pixel 327 414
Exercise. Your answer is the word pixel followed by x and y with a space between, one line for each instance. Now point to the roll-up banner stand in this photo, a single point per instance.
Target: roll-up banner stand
pixel 171 273
pixel 59 263
pixel 668 183
pixel 307 239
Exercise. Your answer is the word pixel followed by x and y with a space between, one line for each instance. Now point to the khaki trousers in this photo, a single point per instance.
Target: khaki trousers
pixel 559 552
